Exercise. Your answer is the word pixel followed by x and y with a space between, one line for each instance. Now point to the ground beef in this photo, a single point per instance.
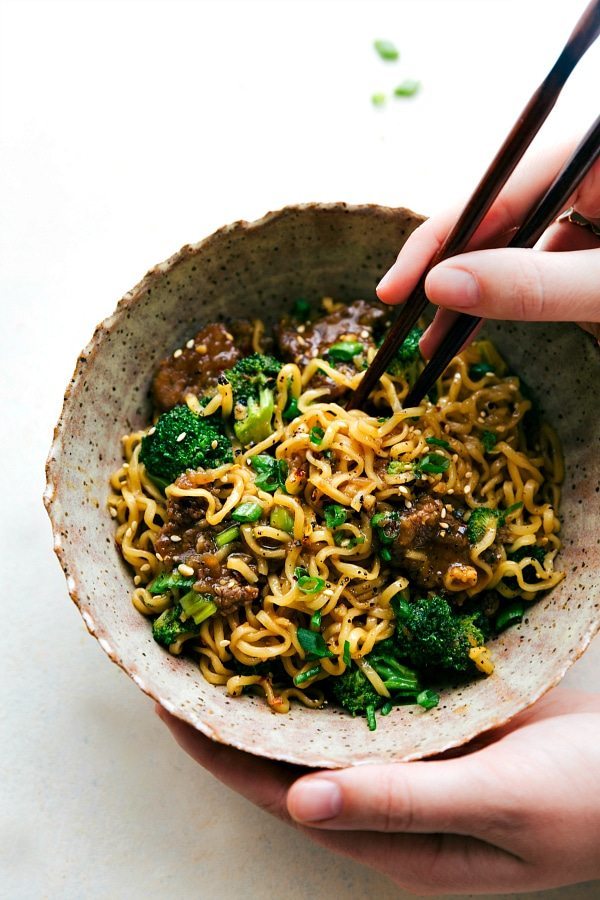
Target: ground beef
pixel 194 545
pixel 195 370
pixel 421 532
pixel 354 321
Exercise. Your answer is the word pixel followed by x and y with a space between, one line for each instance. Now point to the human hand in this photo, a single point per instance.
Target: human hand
pixel 558 281
pixel 520 811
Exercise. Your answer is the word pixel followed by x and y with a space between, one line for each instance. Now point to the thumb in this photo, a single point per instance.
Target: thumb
pixel 520 284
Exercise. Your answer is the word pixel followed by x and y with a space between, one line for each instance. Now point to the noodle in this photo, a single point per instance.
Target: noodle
pixel 362 462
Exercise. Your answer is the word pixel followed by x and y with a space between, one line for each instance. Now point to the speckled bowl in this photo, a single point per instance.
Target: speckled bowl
pixel 255 269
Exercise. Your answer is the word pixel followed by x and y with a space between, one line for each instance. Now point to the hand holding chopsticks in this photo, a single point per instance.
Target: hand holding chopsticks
pixel 520 137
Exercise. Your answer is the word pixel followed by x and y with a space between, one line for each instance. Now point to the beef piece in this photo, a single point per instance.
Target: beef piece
pixel 216 347
pixel 355 321
pixel 194 546
pixel 438 561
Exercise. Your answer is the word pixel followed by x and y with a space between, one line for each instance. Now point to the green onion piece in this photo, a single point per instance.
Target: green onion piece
pixel 386 708
pixel 378 99
pixel 510 615
pixel 306 676
pixel 301 309
pixel 161 483
pixel 313 644
pixel 511 509
pixel 316 435
pixel 438 442
pixel 198 606
pixel 315 620
pixel 166 581
pixel 371 722
pixel 385 554
pixel 346 657
pixel 408 88
pixel 308 584
pixel 247 512
pixel 386 50
pixel 428 699
pixel 433 464
pixel 335 515
pixel 270 473
pixel 478 370
pixel 345 351
pixel 397 467
pixel 282 518
pixel 291 410
pixel 488 439
pixel 226 537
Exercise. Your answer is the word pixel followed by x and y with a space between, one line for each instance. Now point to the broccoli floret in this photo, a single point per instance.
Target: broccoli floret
pixel 168 627
pixel 397 678
pixel 481 520
pixel 182 440
pixel 252 380
pixel 430 635
pixel 355 692
pixel 407 360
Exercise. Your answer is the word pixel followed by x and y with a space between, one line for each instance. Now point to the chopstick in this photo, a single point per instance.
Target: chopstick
pixel 536 222
pixel 521 135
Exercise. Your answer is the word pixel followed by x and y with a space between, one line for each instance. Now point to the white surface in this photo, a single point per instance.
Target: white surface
pixel 128 129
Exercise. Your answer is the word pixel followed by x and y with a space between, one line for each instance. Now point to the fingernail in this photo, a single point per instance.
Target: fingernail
pixel 316 799
pixel 452 287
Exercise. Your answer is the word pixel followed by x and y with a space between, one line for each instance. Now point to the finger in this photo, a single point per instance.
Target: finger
pixel 431 864
pixel 520 284
pixel 527 183
pixel 440 326
pixel 262 782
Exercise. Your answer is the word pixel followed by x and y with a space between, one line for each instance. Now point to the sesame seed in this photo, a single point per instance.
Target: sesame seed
pixel 315 353
pixel 467 489
pixel 301 341
pixel 152 430
pixel 214 444
pixel 468 474
pixel 181 437
pixel 125 465
pixel 228 336
pixel 190 344
pixel 113 512
pixel 185 570
pixel 175 538
pixel 483 413
pixel 450 491
pixel 145 568
pixel 201 348
pixel 301 329
pixel 159 557
pixel 177 353
pixel 137 580
pixel 408 504
pixel 444 525
pixel 364 335
pixel 455 457
pixel 443 513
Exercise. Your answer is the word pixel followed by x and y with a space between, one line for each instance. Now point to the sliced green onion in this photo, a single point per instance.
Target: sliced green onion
pixel 335 515
pixel 433 464
pixel 247 512
pixel 313 644
pixel 306 676
pixel 345 351
pixel 166 581
pixel 226 537
pixel 346 657
pixel 428 699
pixel 386 50
pixel 270 473
pixel 408 88
pixel 488 439
pixel 438 442
pixel 198 606
pixel 511 509
pixel 315 620
pixel 385 554
pixel 386 708
pixel 378 99
pixel 301 309
pixel 308 584
pixel 291 410
pixel 282 518
pixel 371 721
pixel 398 466
pixel 316 435
pixel 510 615
pixel 478 370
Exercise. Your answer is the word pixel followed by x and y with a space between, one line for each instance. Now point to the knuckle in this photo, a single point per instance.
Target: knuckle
pixel 529 284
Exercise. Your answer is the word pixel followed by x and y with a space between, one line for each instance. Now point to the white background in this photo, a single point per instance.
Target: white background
pixel 128 129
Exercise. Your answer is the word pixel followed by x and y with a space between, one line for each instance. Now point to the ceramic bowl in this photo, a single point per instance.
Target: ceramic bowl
pixel 256 269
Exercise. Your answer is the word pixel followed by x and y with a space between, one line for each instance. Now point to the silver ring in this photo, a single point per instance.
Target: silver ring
pixel 571 215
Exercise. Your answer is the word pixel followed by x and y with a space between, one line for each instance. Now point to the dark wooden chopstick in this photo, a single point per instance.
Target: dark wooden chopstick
pixel 537 220
pixel 523 132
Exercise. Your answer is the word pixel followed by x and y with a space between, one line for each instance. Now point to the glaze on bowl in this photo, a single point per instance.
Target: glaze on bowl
pixel 257 269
